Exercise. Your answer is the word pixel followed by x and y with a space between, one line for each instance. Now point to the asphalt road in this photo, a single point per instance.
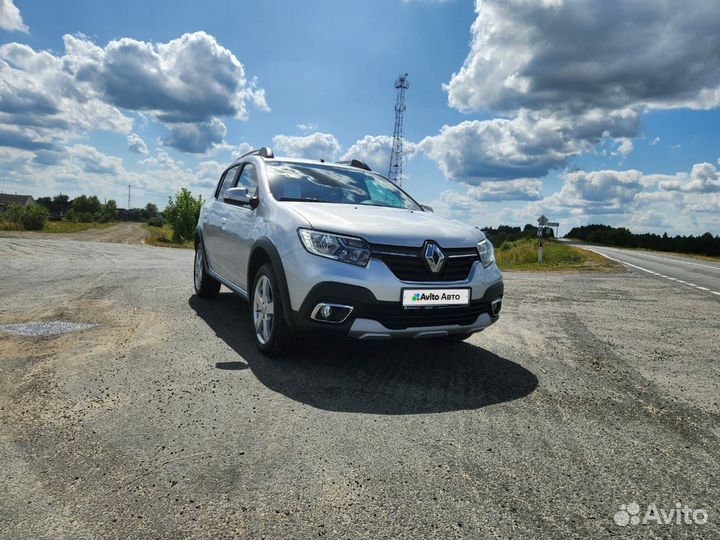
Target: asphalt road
pixel 593 391
pixel 700 274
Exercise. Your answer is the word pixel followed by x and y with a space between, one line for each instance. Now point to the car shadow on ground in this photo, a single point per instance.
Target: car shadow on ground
pixel 388 377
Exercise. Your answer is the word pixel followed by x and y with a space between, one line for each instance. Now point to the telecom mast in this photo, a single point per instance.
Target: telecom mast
pixel 395 172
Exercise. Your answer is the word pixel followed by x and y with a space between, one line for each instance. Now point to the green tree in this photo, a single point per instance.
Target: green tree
pixel 183 214
pixel 151 210
pixel 109 211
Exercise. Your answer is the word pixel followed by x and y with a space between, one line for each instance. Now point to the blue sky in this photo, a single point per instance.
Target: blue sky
pixel 585 111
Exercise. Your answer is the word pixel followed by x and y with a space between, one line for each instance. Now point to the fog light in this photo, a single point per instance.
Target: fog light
pixel 331 313
pixel 496 306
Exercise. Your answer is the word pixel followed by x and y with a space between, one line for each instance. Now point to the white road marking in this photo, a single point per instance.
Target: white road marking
pixel 653 272
pixel 665 259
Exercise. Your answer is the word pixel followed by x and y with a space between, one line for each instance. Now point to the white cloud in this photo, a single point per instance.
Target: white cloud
pixel 91 160
pixel 574 56
pixel 313 146
pixel 523 189
pixel 10 18
pixel 307 128
pixel 561 79
pixel 625 147
pixel 704 178
pixel 655 141
pixel 195 138
pixel 136 144
pixel 375 151
pixel 189 83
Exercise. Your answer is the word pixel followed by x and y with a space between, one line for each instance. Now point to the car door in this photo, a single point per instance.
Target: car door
pixel 237 235
pixel 214 219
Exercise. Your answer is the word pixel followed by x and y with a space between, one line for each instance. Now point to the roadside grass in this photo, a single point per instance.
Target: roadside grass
pixel 161 237
pixel 58 226
pixel 558 257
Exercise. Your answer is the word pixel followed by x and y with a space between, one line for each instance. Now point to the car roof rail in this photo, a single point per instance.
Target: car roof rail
pixel 356 163
pixel 263 151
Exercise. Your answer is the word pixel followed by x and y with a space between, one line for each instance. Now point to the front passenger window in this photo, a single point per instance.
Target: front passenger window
pixel 227 181
pixel 248 179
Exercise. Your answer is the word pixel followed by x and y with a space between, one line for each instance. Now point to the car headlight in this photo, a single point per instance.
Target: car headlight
pixel 486 252
pixel 346 249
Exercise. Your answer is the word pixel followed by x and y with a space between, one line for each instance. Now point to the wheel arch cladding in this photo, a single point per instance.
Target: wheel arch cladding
pixel 264 251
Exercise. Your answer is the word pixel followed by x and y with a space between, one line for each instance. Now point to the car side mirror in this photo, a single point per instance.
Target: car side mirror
pixel 427 208
pixel 238 196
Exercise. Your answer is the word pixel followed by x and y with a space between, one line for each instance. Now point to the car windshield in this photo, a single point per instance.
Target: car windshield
pixel 318 183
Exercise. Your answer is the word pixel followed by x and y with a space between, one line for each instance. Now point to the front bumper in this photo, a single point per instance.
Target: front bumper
pixel 376 319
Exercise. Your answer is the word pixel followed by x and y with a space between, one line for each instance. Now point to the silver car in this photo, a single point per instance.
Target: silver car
pixel 335 247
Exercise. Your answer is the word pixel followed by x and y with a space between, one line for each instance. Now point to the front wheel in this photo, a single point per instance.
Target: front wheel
pixel 271 331
pixel 205 285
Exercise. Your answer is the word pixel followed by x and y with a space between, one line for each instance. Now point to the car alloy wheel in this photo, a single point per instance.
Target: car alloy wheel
pixel 199 267
pixel 263 309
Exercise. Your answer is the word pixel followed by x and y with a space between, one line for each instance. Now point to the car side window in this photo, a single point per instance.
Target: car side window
pixel 226 182
pixel 248 179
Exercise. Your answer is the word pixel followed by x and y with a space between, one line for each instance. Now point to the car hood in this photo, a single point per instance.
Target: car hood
pixel 384 225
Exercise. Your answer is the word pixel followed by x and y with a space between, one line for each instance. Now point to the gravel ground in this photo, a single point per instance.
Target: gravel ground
pixel 120 233
pixel 593 391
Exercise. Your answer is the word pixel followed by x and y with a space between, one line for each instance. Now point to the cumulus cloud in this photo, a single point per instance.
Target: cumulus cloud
pixel 524 189
pixel 195 138
pixel 313 146
pixel 136 144
pixel 91 160
pixel 565 76
pixel 188 79
pixel 55 98
pixel 375 151
pixel 10 18
pixel 529 145
pixel 586 54
pixel 703 178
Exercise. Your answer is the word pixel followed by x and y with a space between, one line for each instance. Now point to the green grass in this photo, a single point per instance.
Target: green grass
pixel 523 255
pixel 71 227
pixel 161 236
pixel 58 226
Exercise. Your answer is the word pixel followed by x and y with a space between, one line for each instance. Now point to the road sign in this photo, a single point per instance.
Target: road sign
pixel 542 221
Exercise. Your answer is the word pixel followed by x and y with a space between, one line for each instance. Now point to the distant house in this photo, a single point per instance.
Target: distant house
pixel 7 200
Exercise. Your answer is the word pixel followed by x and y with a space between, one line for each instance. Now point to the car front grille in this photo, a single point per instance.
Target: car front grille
pixel 408 264
pixel 395 317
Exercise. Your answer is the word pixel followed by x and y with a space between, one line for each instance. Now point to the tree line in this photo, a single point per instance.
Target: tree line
pixel 705 244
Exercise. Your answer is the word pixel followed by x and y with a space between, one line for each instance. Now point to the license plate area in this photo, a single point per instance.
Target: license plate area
pixel 422 298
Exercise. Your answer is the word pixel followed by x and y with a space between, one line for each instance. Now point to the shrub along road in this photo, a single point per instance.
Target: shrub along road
pixel 594 390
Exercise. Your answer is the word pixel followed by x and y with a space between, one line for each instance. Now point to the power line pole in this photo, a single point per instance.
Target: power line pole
pixel 128 198
pixel 395 171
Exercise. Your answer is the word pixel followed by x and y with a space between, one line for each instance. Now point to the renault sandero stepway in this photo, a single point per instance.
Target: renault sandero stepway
pixel 335 247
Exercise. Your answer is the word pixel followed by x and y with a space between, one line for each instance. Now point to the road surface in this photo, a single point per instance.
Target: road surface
pixel 593 391
pixel 683 272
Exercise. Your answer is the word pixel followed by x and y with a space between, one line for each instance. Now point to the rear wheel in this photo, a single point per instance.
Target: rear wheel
pixel 271 331
pixel 205 285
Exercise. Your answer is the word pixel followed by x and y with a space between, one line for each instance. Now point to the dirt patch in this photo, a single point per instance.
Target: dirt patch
pixel 121 233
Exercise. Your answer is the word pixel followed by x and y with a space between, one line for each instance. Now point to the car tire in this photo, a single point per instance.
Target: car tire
pixel 270 329
pixel 205 285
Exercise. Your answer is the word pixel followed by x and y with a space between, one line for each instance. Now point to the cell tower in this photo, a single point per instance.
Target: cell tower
pixel 395 172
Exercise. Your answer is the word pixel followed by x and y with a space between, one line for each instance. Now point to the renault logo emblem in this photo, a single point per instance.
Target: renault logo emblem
pixel 434 257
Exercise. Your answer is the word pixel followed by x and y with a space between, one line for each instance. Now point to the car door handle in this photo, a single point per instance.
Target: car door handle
pixel 223 221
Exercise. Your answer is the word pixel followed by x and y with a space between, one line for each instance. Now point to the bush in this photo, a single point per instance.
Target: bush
pixel 30 218
pixel 35 217
pixel 183 214
pixel 156 221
